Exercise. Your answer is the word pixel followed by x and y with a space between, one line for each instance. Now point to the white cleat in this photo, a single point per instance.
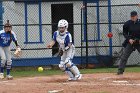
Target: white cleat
pixel 78 77
pixel 71 79
pixel 9 77
pixel 1 75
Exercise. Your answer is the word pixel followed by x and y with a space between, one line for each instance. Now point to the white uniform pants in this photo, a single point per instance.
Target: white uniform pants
pixel 5 55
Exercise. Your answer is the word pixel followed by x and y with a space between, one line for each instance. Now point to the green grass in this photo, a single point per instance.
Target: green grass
pixel 31 72
pixel 109 70
pixel 99 70
pixel 34 73
pixel 133 69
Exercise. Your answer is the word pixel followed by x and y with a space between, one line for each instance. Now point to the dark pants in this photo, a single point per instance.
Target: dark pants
pixel 126 53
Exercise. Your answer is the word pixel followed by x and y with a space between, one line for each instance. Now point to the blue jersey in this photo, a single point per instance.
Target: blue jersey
pixel 63 40
pixel 6 38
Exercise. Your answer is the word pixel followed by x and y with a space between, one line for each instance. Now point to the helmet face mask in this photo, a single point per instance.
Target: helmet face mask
pixel 62 26
pixel 61 29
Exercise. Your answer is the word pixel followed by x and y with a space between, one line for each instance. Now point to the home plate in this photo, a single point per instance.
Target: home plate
pixel 56 91
pixel 122 81
pixel 4 81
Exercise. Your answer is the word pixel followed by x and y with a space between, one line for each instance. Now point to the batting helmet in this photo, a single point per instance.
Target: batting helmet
pixel 63 23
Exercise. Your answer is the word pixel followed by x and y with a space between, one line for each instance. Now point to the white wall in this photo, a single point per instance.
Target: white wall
pixel 15 13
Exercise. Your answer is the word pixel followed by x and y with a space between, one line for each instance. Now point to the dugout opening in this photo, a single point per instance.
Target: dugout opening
pixel 61 11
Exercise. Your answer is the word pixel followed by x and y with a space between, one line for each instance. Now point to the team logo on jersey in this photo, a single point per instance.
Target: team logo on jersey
pixel 2 35
pixel 5 39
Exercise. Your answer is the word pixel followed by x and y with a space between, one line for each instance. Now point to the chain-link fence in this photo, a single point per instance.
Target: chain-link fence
pixel 103 18
pixel 89 24
pixel 34 24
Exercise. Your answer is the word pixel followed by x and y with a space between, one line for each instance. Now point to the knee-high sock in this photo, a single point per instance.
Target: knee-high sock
pixel 69 73
pixel 8 69
pixel 2 68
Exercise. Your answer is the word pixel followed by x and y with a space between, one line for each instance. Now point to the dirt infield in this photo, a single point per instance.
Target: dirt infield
pixel 90 83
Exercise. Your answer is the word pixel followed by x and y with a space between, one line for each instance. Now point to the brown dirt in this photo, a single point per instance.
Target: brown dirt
pixel 90 83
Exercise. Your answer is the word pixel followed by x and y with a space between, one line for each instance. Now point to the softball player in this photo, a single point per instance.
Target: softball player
pixel 67 50
pixel 6 36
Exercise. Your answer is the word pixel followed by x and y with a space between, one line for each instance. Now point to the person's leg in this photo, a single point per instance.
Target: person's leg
pixel 3 61
pixel 126 53
pixel 9 62
pixel 63 67
pixel 73 68
pixel 70 74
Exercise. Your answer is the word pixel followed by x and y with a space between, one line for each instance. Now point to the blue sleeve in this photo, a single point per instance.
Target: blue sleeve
pixel 54 36
pixel 68 39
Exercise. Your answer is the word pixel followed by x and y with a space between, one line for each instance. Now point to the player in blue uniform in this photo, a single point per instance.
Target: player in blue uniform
pixel 64 39
pixel 6 37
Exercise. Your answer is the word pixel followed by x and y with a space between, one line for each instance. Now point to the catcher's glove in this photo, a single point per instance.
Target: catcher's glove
pixel 17 53
pixel 60 52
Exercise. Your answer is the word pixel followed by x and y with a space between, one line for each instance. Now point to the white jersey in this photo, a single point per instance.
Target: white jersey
pixel 63 40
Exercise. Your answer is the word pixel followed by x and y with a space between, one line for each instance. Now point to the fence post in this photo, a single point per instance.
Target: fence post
pixel 110 26
pixel 1 15
pixel 85 30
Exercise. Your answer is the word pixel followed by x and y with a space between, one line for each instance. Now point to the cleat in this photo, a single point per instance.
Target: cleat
pixel 1 75
pixel 120 72
pixel 78 77
pixel 9 77
pixel 71 79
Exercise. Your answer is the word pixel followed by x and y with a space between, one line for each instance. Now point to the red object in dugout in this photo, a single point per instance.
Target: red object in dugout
pixel 109 35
